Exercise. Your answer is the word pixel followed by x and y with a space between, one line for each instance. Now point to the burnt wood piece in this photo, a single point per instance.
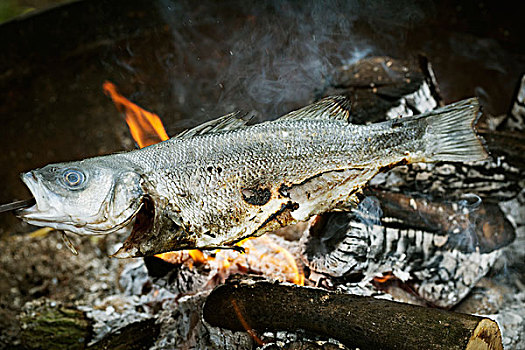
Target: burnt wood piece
pixel 439 250
pixel 356 321
pixel 383 87
pixel 135 336
pixel 468 223
pixel 509 144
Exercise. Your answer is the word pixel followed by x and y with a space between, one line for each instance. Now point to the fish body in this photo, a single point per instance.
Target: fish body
pixel 224 181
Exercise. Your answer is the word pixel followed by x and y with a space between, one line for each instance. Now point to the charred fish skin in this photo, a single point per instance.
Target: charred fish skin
pixel 223 181
pixel 222 186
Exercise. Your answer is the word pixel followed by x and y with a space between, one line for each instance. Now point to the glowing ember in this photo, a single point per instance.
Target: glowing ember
pixel 263 256
pixel 385 278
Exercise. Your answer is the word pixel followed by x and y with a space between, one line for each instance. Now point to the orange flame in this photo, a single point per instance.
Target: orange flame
pixel 262 254
pixel 271 258
pixel 146 128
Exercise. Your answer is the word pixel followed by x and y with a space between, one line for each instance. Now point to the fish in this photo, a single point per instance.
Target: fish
pixel 226 180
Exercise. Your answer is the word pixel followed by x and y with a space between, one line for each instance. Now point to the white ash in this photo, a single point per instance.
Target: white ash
pixel 447 278
pixel 510 271
pixel 298 340
pixel 390 179
pixel 421 101
pixel 134 277
pixel 364 289
pixel 116 311
pixel 182 327
pixel 511 320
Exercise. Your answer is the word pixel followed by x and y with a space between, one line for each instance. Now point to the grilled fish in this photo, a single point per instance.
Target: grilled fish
pixel 224 181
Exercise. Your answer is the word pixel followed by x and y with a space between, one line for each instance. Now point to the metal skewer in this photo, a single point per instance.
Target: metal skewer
pixel 17 205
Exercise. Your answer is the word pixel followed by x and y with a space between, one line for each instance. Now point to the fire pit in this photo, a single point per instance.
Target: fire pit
pixel 444 236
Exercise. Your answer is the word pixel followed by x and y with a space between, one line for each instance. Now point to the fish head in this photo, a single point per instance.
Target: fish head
pixel 92 196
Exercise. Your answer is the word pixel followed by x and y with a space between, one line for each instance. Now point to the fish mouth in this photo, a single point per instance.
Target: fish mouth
pixel 39 212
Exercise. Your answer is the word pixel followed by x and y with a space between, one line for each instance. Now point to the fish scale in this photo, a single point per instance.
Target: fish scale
pixel 223 181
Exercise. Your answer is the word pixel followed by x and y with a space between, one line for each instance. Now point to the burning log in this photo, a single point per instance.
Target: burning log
pixel 356 321
pixel 438 250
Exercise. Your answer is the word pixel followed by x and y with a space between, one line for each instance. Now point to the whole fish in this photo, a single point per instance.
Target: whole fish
pixel 224 181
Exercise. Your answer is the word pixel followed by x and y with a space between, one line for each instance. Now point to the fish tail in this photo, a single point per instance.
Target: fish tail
pixel 450 134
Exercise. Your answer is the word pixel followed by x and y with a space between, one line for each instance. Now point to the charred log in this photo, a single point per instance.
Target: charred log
pixel 380 87
pixel 356 321
pixel 438 250
pixel 138 335
pixel 516 120
pixel 469 224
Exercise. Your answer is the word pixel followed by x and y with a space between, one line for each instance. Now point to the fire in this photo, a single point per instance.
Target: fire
pixel 262 256
pixel 146 128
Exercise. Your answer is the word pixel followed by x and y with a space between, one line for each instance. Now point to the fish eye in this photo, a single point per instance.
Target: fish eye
pixel 73 178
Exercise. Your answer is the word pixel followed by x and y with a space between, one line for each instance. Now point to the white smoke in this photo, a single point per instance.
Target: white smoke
pixel 274 55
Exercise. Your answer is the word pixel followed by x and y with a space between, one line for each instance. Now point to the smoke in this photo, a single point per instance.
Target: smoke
pixel 369 211
pixel 289 54
pixel 466 239
pixel 274 55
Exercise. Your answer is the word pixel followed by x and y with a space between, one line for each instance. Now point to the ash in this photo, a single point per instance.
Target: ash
pixel 117 311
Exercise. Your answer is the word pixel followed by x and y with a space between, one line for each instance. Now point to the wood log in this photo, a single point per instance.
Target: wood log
pixel 356 321
pixel 135 336
pixel 485 222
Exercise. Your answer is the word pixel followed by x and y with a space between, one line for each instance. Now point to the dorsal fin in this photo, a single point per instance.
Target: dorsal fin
pixel 329 108
pixel 232 121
